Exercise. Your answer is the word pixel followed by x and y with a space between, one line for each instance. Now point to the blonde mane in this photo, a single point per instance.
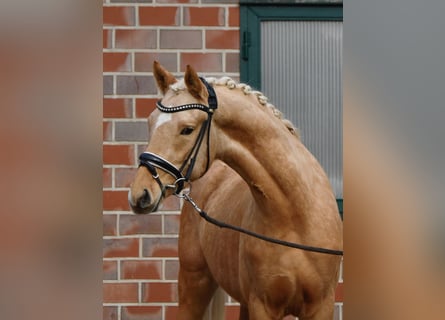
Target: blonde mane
pixel 247 90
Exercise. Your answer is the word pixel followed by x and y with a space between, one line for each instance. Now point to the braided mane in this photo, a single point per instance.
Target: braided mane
pixel 247 90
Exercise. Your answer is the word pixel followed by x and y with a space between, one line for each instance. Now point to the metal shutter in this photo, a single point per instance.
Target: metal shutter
pixel 301 65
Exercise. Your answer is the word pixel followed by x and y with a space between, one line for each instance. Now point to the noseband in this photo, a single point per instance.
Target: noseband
pixel 152 161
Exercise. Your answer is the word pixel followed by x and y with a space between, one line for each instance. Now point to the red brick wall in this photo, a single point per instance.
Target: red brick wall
pixel 140 252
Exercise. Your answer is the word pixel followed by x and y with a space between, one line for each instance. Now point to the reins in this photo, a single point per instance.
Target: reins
pixel 152 161
pixel 221 224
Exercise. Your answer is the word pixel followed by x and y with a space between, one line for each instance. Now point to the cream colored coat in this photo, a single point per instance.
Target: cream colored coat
pixel 262 178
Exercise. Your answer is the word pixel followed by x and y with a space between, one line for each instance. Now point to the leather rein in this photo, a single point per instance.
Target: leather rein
pixel 152 161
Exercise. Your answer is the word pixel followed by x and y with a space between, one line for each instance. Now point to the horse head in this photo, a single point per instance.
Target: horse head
pixel 179 139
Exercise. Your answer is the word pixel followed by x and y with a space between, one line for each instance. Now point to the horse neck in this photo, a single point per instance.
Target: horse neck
pixel 264 153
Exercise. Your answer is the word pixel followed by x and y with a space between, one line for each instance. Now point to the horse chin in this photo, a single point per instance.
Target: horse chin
pixel 153 207
pixel 141 202
pixel 139 210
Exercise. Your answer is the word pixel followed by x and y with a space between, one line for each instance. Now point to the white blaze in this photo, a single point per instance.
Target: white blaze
pixel 163 118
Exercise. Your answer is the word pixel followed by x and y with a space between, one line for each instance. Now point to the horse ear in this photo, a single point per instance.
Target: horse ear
pixel 163 78
pixel 193 83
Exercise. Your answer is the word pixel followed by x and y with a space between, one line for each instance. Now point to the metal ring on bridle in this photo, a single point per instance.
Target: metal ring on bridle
pixel 185 191
pixel 178 185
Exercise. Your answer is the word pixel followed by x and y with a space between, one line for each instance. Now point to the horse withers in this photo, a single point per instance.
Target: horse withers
pixel 248 168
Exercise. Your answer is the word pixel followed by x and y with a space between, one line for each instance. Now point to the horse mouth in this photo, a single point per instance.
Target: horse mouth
pixel 139 210
pixel 143 205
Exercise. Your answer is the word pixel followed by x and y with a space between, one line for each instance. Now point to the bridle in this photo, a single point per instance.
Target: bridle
pixel 152 161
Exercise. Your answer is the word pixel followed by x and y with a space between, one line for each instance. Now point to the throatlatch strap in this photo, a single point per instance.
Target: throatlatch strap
pixel 212 100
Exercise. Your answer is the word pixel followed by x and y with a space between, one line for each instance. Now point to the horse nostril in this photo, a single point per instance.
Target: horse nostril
pixel 144 200
pixel 146 196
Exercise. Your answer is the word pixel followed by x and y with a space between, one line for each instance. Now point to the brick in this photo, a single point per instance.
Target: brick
pixel 339 293
pixel 109 313
pixel 140 224
pixel 159 292
pixel 204 16
pixel 108 84
pixel 115 200
pixel 232 62
pixel 234 17
pixel 232 313
pixel 107 131
pixel 160 247
pixel 109 222
pixel 171 269
pixel 202 62
pixel 171 203
pixel 120 292
pixel 144 61
pixel 181 39
pixel 130 131
pixel 141 148
pixel 121 248
pixel 116 61
pixel 109 270
pixel 134 85
pixel 106 178
pixel 222 39
pixel 118 154
pixel 118 16
pixel 177 1
pixel 171 223
pixel 123 177
pixel 159 16
pixel 117 108
pixel 144 107
pixel 106 38
pixel 136 39
pixel 142 313
pixel 136 269
pixel 171 312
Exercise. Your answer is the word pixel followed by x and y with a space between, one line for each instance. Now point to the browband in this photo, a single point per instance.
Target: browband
pixel 212 100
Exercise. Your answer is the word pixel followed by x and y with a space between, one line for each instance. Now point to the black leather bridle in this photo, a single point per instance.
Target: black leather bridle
pixel 152 161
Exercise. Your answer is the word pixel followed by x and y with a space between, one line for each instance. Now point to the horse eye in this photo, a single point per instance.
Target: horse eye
pixel 186 131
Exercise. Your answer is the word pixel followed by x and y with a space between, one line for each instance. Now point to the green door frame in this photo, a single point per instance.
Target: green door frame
pixel 253 13
pixel 251 16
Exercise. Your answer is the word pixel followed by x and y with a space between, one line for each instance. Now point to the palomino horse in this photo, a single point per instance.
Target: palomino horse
pixel 249 169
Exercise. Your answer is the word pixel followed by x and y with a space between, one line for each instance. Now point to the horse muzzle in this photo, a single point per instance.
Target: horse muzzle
pixel 152 161
pixel 143 197
pixel 142 202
